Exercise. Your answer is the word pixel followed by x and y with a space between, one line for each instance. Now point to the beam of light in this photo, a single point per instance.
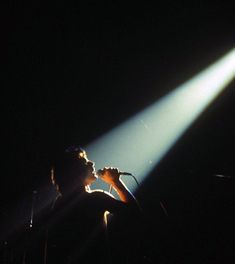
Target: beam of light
pixel 141 142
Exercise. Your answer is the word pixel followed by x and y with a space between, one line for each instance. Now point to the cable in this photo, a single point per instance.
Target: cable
pixel 135 180
pixel 111 187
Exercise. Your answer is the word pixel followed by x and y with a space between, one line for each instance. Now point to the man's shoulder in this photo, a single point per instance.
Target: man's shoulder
pixel 101 193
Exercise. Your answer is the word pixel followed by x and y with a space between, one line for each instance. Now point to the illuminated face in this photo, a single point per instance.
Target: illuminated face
pixel 90 172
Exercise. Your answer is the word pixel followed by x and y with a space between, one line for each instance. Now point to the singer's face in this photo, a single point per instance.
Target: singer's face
pixel 90 172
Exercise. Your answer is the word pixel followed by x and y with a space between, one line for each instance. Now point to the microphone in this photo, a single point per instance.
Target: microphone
pixel 124 173
pixel 100 172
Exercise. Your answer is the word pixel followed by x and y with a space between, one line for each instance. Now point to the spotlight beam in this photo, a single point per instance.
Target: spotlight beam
pixel 141 142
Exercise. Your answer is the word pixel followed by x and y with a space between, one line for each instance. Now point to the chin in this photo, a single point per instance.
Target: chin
pixel 91 179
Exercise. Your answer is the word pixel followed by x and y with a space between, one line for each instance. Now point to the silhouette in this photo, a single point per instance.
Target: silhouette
pixel 74 229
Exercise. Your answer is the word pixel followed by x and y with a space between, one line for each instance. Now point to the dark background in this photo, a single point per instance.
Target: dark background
pixel 74 71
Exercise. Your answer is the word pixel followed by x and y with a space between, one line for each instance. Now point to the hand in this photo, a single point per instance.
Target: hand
pixel 110 175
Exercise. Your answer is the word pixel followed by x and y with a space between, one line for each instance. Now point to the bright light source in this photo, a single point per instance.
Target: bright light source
pixel 139 144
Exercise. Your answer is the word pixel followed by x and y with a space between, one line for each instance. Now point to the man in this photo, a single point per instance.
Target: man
pixel 77 223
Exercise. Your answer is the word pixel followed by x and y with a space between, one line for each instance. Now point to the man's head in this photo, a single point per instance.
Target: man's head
pixel 74 170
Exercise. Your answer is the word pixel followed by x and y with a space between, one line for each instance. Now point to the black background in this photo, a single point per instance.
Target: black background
pixel 74 71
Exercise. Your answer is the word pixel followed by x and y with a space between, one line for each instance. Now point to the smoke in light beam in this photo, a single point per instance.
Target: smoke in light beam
pixel 140 143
